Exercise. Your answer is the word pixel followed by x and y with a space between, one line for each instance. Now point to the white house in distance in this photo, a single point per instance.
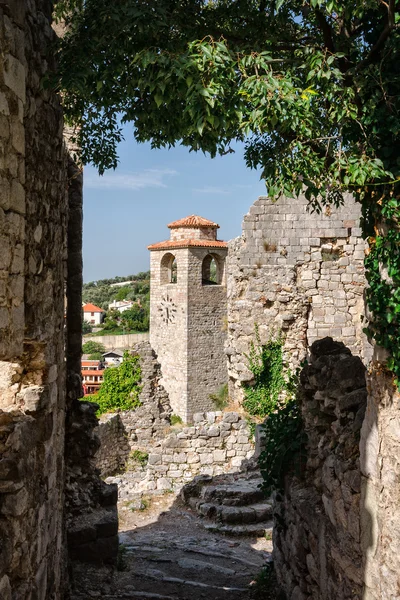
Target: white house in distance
pixel 113 357
pixel 93 314
pixel 121 305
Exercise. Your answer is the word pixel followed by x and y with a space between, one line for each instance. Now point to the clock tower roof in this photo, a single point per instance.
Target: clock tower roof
pixel 193 221
pixel 192 231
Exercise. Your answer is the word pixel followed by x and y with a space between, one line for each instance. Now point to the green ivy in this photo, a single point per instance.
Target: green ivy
pixel 266 364
pixel 382 265
pixel 121 387
pixel 284 447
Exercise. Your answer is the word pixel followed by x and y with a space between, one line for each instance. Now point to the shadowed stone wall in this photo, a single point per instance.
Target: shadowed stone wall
pixel 318 532
pixel 40 218
pixel 33 229
pixel 380 490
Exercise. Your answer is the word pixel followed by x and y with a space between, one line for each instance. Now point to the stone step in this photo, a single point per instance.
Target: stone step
pixel 240 493
pixel 253 513
pixel 248 530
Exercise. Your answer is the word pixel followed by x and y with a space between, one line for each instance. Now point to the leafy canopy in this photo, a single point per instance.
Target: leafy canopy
pixel 93 347
pixel 311 86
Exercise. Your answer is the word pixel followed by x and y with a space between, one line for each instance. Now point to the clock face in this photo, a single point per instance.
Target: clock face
pixel 167 309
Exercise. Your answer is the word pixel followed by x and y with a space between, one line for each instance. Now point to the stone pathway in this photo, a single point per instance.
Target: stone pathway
pixel 168 554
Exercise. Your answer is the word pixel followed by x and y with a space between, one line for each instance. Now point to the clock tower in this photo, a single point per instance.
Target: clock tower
pixel 188 306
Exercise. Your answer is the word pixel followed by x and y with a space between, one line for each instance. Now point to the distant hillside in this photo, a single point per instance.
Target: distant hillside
pixel 102 291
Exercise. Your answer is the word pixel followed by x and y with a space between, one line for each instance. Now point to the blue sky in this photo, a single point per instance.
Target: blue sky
pixel 129 208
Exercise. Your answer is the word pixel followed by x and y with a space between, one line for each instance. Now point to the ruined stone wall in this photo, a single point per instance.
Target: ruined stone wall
pixel 33 224
pixel 138 429
pixel 296 272
pixel 318 528
pixel 217 443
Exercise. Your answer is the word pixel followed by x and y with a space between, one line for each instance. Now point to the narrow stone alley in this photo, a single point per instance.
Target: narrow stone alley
pixel 169 552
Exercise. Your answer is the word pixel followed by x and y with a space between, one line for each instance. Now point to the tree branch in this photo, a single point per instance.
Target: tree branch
pixel 390 26
pixel 326 31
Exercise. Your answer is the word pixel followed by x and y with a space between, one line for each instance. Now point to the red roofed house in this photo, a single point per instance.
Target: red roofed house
pixel 92 376
pixel 93 314
pixel 188 307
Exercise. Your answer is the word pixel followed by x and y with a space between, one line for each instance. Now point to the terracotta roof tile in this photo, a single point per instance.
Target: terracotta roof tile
pixel 193 221
pixel 89 363
pixel 94 372
pixel 92 308
pixel 169 244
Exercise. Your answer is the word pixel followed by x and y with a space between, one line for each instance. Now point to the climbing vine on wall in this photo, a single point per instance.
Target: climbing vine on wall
pixel 284 448
pixel 265 361
pixel 273 397
pixel 382 265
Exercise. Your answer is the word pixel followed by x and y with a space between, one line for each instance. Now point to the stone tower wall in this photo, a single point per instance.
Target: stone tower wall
pixel 207 370
pixel 33 226
pixel 297 272
pixel 187 331
pixel 168 330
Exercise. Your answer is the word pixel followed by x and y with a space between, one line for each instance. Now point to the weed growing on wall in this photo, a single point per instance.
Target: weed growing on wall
pixel 138 457
pixel 121 387
pixel 221 398
pixel 176 420
pixel 266 363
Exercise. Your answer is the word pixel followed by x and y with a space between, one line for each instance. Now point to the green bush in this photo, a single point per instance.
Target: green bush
pixel 121 387
pixel 176 420
pixel 92 347
pixel 139 457
pixel 86 327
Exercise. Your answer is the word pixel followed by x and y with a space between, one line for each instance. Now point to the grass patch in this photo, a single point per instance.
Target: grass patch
pixel 138 457
pixel 265 585
pixel 176 420
pixel 221 398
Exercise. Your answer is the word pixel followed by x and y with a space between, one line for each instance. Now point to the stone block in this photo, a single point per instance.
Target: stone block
pixel 16 504
pixel 5 588
pixel 5 194
pixel 198 417
pixel 180 457
pixel 14 76
pixel 164 483
pixel 231 417
pixel 154 459
pixel 206 459
pixel 213 432
pixel 219 455
pixel 18 137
